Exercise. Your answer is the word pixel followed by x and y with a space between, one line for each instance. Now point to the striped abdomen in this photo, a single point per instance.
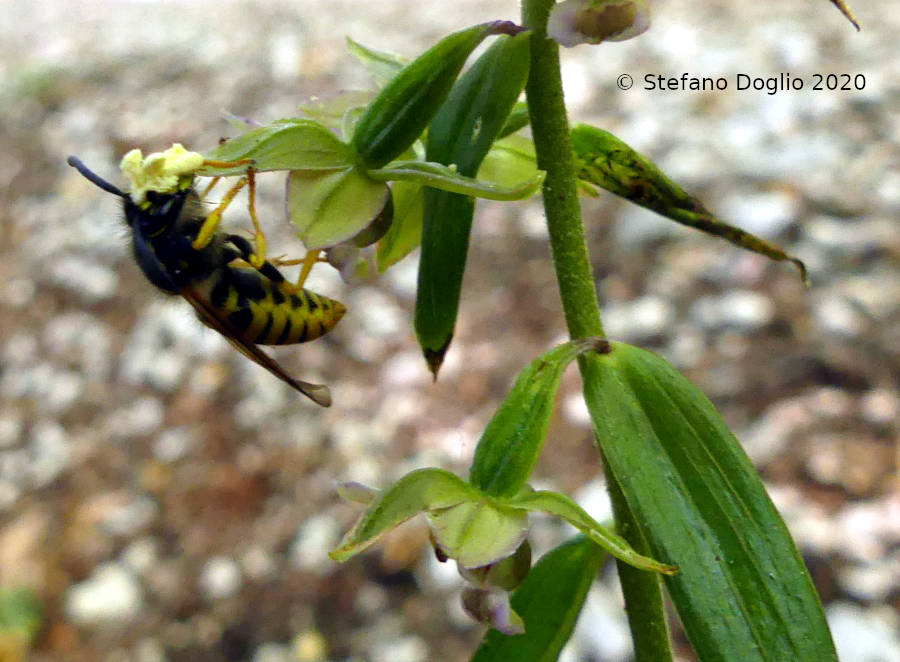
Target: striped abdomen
pixel 263 313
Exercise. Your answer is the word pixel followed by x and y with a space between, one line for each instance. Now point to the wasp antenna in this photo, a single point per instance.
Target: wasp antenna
pixel 94 178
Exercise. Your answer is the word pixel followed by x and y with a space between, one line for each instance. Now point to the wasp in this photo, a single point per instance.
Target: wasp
pixel 233 288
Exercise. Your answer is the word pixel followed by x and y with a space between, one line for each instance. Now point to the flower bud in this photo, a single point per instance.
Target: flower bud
pixel 574 22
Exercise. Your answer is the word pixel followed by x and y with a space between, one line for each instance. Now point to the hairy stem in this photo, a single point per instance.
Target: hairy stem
pixel 553 144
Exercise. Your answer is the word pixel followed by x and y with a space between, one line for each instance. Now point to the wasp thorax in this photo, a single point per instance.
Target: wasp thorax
pixel 161 172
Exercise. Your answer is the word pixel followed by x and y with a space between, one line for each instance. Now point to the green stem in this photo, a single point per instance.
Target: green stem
pixel 553 145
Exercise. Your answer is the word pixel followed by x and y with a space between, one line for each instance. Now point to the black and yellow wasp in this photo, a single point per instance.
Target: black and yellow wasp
pixel 234 290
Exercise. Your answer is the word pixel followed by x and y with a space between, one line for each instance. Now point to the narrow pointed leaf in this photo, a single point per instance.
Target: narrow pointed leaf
pixel 562 506
pixel 604 160
pixel 742 590
pixel 383 66
pixel 331 207
pixel 509 162
pixel 518 119
pixel 461 134
pixel 415 493
pixel 297 144
pixel 330 111
pixel 405 234
pixel 548 601
pixel 448 178
pixel 405 106
pixel 514 437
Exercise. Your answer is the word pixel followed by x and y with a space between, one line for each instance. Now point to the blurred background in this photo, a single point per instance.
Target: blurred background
pixel 169 501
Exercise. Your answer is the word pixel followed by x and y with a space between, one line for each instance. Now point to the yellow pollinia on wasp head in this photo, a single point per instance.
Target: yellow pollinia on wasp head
pixel 234 289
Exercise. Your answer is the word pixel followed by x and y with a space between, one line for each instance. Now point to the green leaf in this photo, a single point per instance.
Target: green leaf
pixel 331 207
pixel 562 506
pixel 383 66
pixel 405 234
pixel 510 162
pixel 478 533
pixel 742 591
pixel 518 119
pixel 417 492
pixel 405 106
pixel 332 111
pixel 21 612
pixel 549 601
pixel 446 178
pixel 461 134
pixel 514 437
pixel 296 144
pixel 604 160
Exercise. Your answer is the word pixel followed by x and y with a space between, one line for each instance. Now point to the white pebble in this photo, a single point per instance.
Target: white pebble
pixel 316 537
pixel 110 594
pixel 862 635
pixel 220 578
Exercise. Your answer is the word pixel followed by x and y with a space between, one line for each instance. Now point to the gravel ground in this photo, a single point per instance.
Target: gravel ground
pixel 170 501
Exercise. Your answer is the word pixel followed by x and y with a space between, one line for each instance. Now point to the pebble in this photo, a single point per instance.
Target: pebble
pixel 602 629
pixel 864 635
pixel 142 417
pixel 49 452
pixel 765 214
pixel 141 555
pixel 111 594
pixel 744 310
pixel 640 319
pixel 835 315
pixel 220 578
pixel 272 652
pixel 316 537
pixel 174 443
pixel 871 582
pixel 86 277
pixel 409 648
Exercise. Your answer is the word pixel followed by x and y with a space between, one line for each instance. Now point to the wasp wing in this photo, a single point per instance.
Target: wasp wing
pixel 213 318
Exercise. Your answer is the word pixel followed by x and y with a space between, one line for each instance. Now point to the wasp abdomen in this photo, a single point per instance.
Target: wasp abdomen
pixel 263 314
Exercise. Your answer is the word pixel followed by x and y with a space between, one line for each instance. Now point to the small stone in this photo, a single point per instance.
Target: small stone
pixel 141 555
pixel 837 316
pixel 142 417
pixel 642 318
pixel 173 444
pixel 575 410
pixel 880 406
pixel 10 427
pixel 401 649
pixel 87 278
pixel 110 594
pixel 316 537
pixel 220 578
pixel 871 582
pixel 272 652
pixel 49 452
pixel 765 214
pixel 149 649
pixel 309 646
pixel 864 635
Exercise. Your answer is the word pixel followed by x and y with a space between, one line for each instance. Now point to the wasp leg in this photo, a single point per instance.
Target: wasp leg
pixel 209 187
pixel 308 263
pixel 267 269
pixel 258 258
pixel 211 224
pixel 208 163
